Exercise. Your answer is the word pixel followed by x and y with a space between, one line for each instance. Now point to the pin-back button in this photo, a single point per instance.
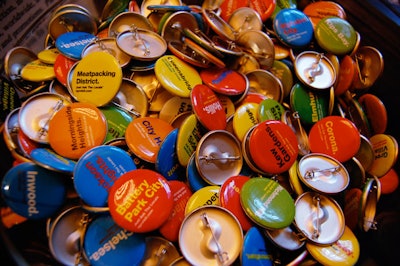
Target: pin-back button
pixel 319 10
pixel 84 125
pixel 37 71
pixel 123 21
pixel 160 251
pixel 255 249
pixel 176 76
pixel 375 111
pixel 273 146
pixel 62 66
pixel 140 200
pixel 195 180
pixel 245 18
pixel 97 170
pixel 108 45
pixel 48 56
pixel 263 199
pixel 287 238
pixel 365 154
pixel 142 44
pixel 181 194
pixel 132 98
pixel 323 173
pixel 33 191
pixel 144 136
pixel 351 208
pixel 335 136
pixel 47 158
pixel 367 73
pixel 205 196
pixel 270 109
pixel 208 108
pixel 228 7
pixel 315 70
pixel 146 12
pixel 246 116
pixel 208 225
pixel 117 121
pixel 96 79
pixel 230 199
pixel 346 75
pixel 173 107
pixel 386 151
pixel 264 8
pixel 71 44
pixel 389 182
pixel 258 44
pixel 293 27
pixel 175 25
pixel 283 72
pixel 167 162
pixel 224 81
pixel 319 217
pixel 371 192
pixel 218 156
pixel 345 251
pixel 189 135
pixel 266 83
pixel 218 25
pixel 36 113
pixel 335 35
pixel 207 56
pixel 311 106
pixel 106 243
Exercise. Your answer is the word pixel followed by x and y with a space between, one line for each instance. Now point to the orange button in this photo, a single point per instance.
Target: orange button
pixel 77 128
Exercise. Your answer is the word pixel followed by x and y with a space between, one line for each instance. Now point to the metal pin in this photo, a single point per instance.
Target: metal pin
pixel 43 129
pixel 68 26
pixel 137 38
pixel 85 219
pixel 360 60
pixel 314 70
pixel 316 232
pixel 210 158
pixel 222 256
pixel 311 174
pixel 161 254
pixel 103 47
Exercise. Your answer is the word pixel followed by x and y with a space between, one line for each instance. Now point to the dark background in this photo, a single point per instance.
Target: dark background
pixel 378 23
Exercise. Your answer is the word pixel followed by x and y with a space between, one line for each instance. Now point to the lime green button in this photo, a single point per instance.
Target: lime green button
pixel 335 35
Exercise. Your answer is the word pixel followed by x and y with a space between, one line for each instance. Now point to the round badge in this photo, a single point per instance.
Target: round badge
pixel 269 109
pixel 181 194
pixel 208 108
pixel 319 217
pixel 47 158
pixel 242 17
pixel 205 196
pixel 319 10
pixel 371 193
pixel 335 136
pixel 323 173
pixel 106 243
pixel 48 56
pixel 347 71
pixel 267 203
pixel 230 199
pixel 159 250
pixel 97 170
pixel 117 121
pixel 96 79
pixel 33 191
pixel 286 238
pixel 386 151
pixel 335 35
pixel 293 27
pixel 264 8
pixel 375 111
pixel 245 117
pixel 62 65
pixel 71 44
pixel 84 127
pixel 36 113
pixel 255 249
pixel 218 156
pixel 176 76
pixel 266 83
pixel 351 208
pixel 210 235
pixel 273 146
pixel 140 200
pixel 345 251
pixel 167 162
pixel 174 107
pixel 194 179
pixel 282 71
pixel 144 136
pixel 315 70
pixel 224 81
pixel 389 182
pixel 37 71
pixel 189 135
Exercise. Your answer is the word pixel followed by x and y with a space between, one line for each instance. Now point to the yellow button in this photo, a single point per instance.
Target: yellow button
pixel 48 56
pixel 37 71
pixel 208 195
pixel 244 118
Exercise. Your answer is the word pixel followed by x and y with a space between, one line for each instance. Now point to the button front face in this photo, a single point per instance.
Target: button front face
pixel 140 200
pixel 71 44
pixel 224 81
pixel 335 136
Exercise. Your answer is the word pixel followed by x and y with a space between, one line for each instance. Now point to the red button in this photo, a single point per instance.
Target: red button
pixel 273 146
pixel 335 136
pixel 140 200
pixel 389 182
pixel 347 71
pixel 230 199
pixel 375 111
pixel 181 194
pixel 224 81
pixel 208 107
pixel 62 65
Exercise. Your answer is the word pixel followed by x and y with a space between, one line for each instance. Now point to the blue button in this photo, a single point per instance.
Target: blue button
pixel 97 170
pixel 71 44
pixel 105 243
pixel 33 191
pixel 255 250
pixel 195 180
pixel 293 28
pixel 51 160
pixel 167 162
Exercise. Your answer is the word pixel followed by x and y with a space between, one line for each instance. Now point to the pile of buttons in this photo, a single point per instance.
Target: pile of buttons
pixel 228 132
